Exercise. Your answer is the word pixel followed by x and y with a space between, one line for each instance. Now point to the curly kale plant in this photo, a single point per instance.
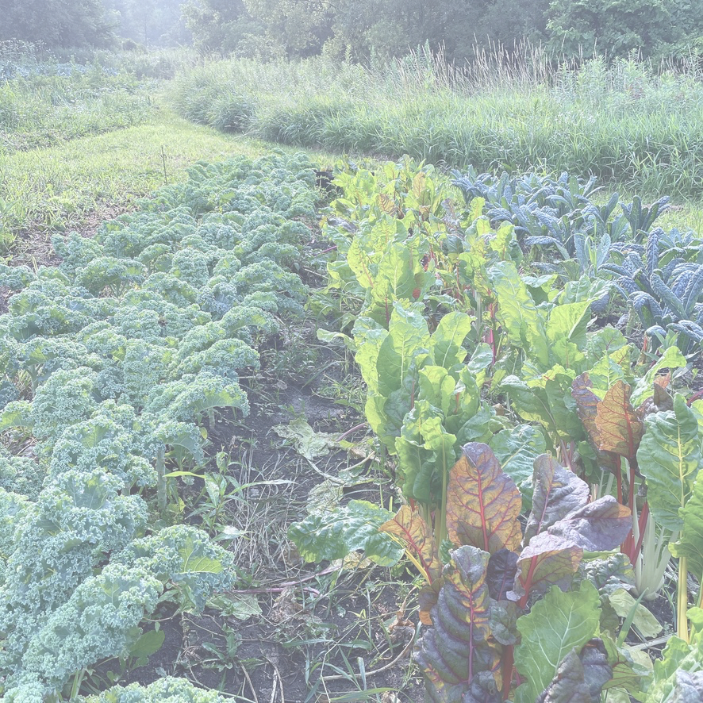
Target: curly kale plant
pixel 110 364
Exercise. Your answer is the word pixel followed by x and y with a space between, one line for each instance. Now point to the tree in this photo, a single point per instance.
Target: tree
pixel 56 23
pixel 617 27
pixel 150 22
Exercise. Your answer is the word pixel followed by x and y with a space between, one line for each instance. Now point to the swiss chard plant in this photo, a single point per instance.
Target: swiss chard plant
pixel 477 602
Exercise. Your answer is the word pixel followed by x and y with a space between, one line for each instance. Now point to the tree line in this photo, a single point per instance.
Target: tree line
pixel 358 30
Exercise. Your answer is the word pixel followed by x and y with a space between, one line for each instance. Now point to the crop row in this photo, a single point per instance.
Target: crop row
pixel 549 463
pixel 112 367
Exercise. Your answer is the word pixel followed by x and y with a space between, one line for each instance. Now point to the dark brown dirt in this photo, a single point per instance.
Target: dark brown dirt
pixel 313 617
pixel 32 246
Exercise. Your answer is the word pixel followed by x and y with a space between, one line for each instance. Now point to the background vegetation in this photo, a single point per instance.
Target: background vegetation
pixel 362 29
pixel 625 122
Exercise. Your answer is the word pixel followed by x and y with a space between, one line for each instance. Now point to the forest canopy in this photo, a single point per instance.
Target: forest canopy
pixel 361 30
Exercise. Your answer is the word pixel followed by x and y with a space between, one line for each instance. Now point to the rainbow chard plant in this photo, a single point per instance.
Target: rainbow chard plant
pixel 476 603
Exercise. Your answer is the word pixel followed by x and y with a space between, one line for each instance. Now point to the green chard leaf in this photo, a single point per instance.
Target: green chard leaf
pixel 690 542
pixel 336 534
pixel 557 624
pixel 669 457
pixel 522 321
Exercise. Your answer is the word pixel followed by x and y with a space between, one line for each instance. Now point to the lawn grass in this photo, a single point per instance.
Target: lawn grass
pixel 88 179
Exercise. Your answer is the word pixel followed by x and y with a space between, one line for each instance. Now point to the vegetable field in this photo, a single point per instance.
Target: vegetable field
pixel 383 433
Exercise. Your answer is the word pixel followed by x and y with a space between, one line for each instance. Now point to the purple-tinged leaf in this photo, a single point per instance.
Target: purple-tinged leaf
pixel 502 567
pixel 557 492
pixel 619 429
pixel 483 689
pixel 568 685
pixel 548 560
pixel 587 407
pixel 596 527
pixel 458 647
pixel 483 503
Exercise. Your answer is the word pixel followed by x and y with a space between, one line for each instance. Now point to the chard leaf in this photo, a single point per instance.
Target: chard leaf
pixel 629 666
pixel 336 534
pixel 568 684
pixel 532 404
pixel 502 567
pixel 580 679
pixel 611 573
pixel 587 408
pixel 623 603
pixel 517 312
pixel 598 526
pixel 556 493
pixel 690 542
pixel 458 648
pixel 483 503
pixel 569 322
pixel 516 451
pixel 448 337
pixel 410 530
pixel 618 428
pixel 546 561
pixel 670 682
pixel 407 336
pixel 557 624
pixel 669 457
pixel 672 358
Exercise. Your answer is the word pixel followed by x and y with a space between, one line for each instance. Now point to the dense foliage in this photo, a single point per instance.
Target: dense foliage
pixel 550 464
pixel 56 23
pixel 44 103
pixel 112 364
pixel 385 28
pixel 595 119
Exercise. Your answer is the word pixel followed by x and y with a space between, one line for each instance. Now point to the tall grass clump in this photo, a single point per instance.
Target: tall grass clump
pixel 631 122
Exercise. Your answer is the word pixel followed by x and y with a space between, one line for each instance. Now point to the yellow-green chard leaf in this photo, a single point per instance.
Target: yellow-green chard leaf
pixel 669 457
pixel 522 322
pixel 690 542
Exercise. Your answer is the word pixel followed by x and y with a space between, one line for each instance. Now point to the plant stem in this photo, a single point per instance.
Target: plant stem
pixel 161 479
pixel 682 600
pixel 507 669
pixel 77 681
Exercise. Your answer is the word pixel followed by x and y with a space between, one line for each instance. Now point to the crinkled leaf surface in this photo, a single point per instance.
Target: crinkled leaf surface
pixel 556 493
pixel 557 623
pixel 457 648
pixel 669 457
pixel 354 526
pixel 415 535
pixel 598 526
pixel 502 567
pixel 483 503
pixel 547 560
pixel 610 573
pixel 516 450
pixel 618 428
pixel 568 685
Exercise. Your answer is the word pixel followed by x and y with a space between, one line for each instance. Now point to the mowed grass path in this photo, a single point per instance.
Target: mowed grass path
pixel 79 183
